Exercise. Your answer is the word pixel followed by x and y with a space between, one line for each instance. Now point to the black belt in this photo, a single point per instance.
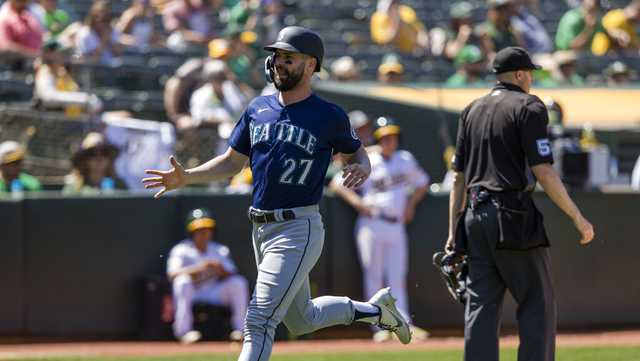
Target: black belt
pixel 389 219
pixel 509 199
pixel 269 216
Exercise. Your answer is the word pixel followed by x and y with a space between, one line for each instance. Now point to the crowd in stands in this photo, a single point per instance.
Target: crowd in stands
pixel 206 59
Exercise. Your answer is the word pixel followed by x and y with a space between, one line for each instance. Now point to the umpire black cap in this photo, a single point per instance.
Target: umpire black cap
pixel 511 59
pixel 299 40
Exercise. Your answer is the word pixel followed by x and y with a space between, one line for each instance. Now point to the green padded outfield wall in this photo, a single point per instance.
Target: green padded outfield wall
pixel 71 267
pixel 12 266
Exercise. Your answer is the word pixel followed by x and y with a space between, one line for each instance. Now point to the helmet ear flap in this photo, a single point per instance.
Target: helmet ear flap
pixel 268 68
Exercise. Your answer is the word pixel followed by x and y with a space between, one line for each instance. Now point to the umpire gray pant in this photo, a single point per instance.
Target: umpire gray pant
pixel 527 276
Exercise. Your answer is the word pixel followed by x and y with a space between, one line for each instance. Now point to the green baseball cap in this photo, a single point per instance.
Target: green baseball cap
pixel 469 54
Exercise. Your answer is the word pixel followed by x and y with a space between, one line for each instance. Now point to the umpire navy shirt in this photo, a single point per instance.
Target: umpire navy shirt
pixel 499 137
pixel 290 148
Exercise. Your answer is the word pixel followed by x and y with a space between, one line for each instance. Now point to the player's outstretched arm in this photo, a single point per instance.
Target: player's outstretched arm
pixel 550 181
pixel 220 167
pixel 357 169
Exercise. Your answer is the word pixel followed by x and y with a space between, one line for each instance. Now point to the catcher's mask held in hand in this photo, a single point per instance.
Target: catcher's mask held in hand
pixel 453 269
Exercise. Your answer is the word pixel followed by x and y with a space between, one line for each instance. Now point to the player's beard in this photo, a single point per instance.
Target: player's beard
pixel 292 79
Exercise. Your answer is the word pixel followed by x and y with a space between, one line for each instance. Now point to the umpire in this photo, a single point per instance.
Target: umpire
pixel 502 144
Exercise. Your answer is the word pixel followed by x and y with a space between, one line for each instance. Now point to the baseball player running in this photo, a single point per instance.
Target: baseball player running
pixel 385 203
pixel 288 138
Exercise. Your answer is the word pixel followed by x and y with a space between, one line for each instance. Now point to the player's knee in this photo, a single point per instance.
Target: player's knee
pixel 182 284
pixel 299 328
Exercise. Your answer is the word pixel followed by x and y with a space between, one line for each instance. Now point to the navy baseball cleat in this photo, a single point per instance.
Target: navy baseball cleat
pixel 390 317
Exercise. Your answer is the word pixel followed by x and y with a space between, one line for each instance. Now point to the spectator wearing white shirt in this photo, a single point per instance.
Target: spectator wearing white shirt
pixel 97 40
pixel 219 102
pixel 136 26
pixel 55 88
pixel 535 36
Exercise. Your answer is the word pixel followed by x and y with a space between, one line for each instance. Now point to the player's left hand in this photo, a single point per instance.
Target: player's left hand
pixel 353 175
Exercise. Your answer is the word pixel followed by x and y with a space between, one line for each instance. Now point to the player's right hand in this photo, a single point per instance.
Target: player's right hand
pixel 585 228
pixel 168 180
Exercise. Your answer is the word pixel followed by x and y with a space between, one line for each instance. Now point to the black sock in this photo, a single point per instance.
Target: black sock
pixel 369 317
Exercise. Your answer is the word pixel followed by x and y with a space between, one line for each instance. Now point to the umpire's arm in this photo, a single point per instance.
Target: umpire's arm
pixel 552 185
pixel 457 200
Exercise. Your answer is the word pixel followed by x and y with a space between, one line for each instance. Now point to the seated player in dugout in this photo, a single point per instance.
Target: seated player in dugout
pixel 202 270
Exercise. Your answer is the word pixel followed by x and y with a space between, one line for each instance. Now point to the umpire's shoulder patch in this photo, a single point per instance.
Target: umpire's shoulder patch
pixel 544 147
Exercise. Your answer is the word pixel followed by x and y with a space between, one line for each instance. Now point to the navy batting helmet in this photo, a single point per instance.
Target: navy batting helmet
pixel 385 126
pixel 199 218
pixel 299 40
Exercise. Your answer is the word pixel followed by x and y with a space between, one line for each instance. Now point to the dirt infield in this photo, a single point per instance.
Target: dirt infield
pixel 116 349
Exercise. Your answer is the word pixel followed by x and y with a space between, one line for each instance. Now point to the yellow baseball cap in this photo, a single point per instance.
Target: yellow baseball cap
pixel 11 151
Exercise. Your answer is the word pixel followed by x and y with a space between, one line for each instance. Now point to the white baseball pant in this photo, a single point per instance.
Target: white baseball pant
pixel 382 247
pixel 233 291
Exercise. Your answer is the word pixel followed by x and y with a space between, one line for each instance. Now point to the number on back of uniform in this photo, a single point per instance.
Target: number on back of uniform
pixel 296 169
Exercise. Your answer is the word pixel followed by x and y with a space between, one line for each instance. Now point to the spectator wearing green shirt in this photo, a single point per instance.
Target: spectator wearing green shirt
pixel 470 64
pixel 460 32
pixel 496 32
pixel 12 178
pixel 567 75
pixel 579 27
pixel 55 19
pixel 239 58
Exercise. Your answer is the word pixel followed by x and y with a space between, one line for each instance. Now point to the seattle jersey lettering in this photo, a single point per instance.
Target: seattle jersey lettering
pixel 283 132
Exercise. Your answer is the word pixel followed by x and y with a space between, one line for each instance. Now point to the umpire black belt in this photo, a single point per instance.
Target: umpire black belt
pixel 259 216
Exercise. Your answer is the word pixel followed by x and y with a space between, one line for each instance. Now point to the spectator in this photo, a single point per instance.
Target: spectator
pixel 202 270
pixel 136 26
pixel 12 178
pixel 566 74
pixel 97 40
pixel 20 32
pixel 546 76
pixel 460 32
pixel 219 102
pixel 178 90
pixel 620 26
pixel 93 170
pixel 471 67
pixel 391 69
pixel 617 73
pixel 497 32
pixel 52 19
pixel 345 69
pixel 238 59
pixel 534 35
pixel 269 20
pixel 187 22
pixel 243 14
pixel 55 88
pixel 398 25
pixel 581 27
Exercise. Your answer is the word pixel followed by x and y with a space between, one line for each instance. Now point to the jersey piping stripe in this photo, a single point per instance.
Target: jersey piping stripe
pixel 264 337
